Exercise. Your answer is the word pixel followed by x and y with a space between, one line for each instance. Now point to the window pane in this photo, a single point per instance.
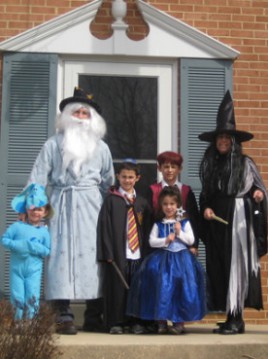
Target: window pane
pixel 129 107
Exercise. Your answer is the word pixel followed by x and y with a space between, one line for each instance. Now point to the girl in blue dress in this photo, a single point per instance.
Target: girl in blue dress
pixel 169 286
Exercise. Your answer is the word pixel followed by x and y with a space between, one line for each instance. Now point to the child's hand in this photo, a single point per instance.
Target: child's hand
pixel 177 228
pixel 170 238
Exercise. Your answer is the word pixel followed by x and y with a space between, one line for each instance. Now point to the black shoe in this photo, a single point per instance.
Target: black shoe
pixel 162 327
pixel 127 329
pixel 177 329
pixel 138 329
pixel 221 323
pixel 117 329
pixel 94 328
pixel 234 328
pixel 66 328
pixel 152 328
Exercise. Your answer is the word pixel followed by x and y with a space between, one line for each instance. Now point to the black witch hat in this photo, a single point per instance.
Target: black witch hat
pixel 81 97
pixel 226 123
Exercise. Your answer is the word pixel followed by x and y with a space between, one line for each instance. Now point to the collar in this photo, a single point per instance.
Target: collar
pixel 177 183
pixel 130 196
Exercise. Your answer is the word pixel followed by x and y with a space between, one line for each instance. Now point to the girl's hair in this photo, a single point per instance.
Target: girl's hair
pixel 170 191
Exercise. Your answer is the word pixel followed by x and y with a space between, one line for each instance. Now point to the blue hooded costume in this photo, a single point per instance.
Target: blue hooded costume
pixel 28 244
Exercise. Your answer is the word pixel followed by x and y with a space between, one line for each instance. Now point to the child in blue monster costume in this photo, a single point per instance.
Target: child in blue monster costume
pixel 28 242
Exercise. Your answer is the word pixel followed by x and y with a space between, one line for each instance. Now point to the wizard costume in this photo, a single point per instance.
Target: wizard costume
pixel 72 271
pixel 28 245
pixel 170 283
pixel 233 250
pixel 111 245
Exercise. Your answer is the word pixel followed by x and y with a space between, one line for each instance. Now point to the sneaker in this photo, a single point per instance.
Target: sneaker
pixel 138 329
pixel 117 329
pixel 162 327
pixel 177 328
pixel 66 328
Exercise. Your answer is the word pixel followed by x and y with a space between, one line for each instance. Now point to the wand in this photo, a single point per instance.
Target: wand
pixel 120 275
pixel 219 219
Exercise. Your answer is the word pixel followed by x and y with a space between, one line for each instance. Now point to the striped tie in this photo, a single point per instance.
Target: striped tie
pixel 132 235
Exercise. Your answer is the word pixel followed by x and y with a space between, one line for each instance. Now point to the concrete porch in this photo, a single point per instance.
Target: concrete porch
pixel 198 343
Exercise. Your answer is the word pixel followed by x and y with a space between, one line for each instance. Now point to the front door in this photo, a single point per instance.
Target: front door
pixel 133 98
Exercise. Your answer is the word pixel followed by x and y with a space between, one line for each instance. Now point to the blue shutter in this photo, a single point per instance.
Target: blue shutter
pixel 28 114
pixel 203 85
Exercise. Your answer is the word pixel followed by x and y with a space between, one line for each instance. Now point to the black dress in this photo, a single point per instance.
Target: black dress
pixel 218 239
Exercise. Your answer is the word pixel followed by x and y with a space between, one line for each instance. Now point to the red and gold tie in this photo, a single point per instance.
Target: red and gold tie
pixel 132 235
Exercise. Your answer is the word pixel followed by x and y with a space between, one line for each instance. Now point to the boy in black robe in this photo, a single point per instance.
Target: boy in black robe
pixel 120 257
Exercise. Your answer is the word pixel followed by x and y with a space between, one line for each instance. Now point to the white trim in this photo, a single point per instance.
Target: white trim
pixel 166 73
pixel 70 34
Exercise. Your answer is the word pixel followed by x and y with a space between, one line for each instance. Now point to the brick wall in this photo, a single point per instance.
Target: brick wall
pixel 242 24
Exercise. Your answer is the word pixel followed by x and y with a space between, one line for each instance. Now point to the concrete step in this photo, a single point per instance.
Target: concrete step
pixel 198 343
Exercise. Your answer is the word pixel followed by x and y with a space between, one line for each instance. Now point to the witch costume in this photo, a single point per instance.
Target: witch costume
pixel 169 284
pixel 233 250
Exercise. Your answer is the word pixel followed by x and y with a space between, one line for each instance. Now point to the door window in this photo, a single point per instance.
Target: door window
pixel 132 100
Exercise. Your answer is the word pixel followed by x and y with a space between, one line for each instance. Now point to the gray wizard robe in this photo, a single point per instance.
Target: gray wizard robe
pixel 71 270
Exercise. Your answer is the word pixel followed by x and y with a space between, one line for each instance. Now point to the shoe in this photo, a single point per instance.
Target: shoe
pixel 93 328
pixel 162 327
pixel 138 329
pixel 66 328
pixel 151 328
pixel 221 326
pixel 127 329
pixel 233 328
pixel 177 328
pixel 117 329
pixel 221 323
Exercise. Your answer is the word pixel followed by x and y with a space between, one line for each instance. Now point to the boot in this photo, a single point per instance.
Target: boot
pixel 234 325
pixel 93 321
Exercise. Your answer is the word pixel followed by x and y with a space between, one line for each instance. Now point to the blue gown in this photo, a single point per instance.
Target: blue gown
pixel 169 284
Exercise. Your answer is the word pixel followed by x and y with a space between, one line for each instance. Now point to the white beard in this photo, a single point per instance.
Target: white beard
pixel 80 138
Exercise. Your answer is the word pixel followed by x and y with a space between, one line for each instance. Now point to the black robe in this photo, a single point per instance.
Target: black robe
pixel 218 238
pixel 111 245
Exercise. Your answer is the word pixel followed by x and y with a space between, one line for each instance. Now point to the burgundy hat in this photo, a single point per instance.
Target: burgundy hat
pixel 81 97
pixel 170 157
pixel 226 123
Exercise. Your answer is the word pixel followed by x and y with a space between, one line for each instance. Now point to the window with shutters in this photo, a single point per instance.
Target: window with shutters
pixel 28 113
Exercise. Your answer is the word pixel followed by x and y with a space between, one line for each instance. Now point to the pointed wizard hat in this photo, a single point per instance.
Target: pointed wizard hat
pixel 81 97
pixel 226 123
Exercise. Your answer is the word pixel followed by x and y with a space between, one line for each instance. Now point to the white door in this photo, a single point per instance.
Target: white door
pixel 139 103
